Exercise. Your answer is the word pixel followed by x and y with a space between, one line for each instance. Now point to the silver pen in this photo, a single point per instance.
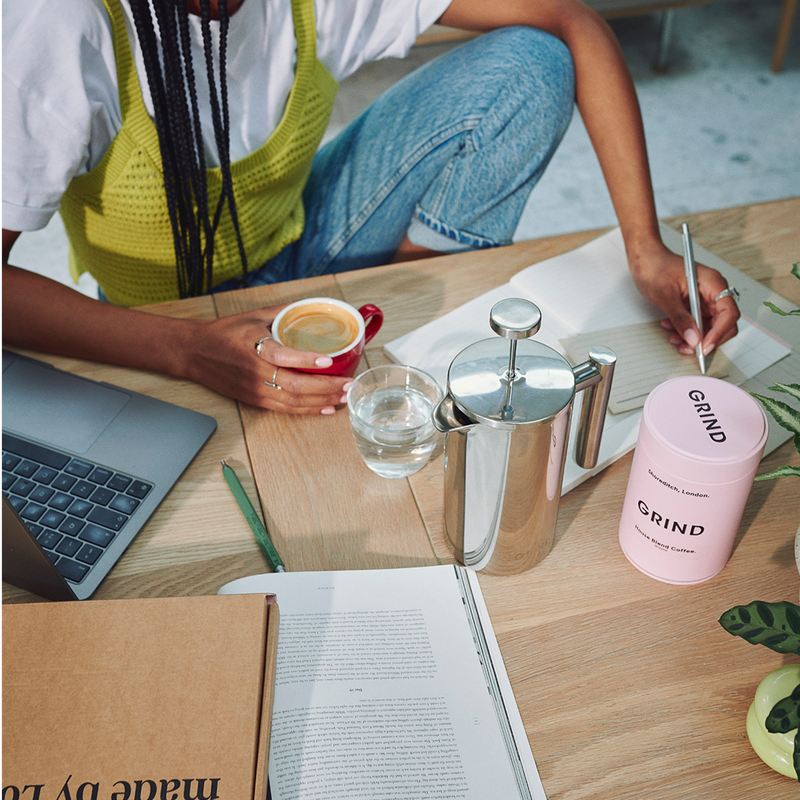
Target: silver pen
pixel 694 292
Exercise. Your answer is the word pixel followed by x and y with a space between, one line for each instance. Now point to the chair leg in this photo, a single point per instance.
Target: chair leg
pixel 667 19
pixel 784 30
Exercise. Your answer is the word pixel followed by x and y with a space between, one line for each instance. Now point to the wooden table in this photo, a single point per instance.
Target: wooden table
pixel 628 687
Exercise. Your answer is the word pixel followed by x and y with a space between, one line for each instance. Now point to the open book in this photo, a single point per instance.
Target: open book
pixel 587 297
pixel 389 684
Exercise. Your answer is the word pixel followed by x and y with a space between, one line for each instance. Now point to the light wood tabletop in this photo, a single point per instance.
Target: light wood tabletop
pixel 628 687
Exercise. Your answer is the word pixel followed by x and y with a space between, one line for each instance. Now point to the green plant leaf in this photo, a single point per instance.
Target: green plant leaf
pixel 775 310
pixel 772 307
pixel 786 416
pixel 796 756
pixel 775 625
pixel 780 472
pixel 792 389
pixel 785 714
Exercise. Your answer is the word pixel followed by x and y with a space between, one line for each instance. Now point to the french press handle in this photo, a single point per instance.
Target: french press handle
pixel 593 377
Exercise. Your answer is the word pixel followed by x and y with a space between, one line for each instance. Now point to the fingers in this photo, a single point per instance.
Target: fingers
pixel 661 278
pixel 270 351
pixel 277 396
pixel 294 392
pixel 724 314
pixel 719 322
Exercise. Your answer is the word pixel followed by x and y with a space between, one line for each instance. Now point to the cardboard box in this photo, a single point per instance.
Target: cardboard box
pixel 162 699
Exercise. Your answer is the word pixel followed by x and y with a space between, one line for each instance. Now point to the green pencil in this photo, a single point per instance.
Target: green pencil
pixel 253 520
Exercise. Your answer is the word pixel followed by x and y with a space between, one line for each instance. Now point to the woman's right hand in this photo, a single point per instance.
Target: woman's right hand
pixel 222 354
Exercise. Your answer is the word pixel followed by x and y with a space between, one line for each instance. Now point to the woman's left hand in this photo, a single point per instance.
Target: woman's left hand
pixel 660 276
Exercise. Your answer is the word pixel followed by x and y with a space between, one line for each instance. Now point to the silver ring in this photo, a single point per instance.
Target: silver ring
pixel 260 342
pixel 730 292
pixel 272 382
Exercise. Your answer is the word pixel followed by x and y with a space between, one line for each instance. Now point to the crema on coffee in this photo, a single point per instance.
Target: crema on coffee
pixel 319 327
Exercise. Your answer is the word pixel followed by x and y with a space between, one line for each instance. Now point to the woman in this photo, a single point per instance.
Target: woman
pixel 180 148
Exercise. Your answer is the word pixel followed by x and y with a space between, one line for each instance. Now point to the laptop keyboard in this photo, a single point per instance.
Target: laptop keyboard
pixel 73 507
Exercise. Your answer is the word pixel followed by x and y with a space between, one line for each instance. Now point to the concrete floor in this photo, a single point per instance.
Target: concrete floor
pixel 722 129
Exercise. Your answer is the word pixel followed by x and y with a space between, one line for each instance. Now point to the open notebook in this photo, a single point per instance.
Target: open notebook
pixel 582 294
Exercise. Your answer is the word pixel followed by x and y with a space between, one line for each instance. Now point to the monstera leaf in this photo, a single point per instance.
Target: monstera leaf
pixel 775 625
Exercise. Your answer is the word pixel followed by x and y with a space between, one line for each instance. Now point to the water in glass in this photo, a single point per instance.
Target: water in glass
pixel 394 431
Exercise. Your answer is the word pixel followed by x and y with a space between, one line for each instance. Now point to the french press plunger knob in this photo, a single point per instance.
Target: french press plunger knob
pixel 514 319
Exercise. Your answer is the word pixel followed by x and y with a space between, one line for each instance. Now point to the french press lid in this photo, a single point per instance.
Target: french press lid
pixel 513 380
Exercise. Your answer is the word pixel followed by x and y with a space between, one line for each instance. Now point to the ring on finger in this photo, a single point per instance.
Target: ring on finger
pixel 260 342
pixel 729 292
pixel 273 383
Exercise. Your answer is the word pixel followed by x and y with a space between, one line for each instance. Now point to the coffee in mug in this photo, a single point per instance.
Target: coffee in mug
pixel 329 326
pixel 320 326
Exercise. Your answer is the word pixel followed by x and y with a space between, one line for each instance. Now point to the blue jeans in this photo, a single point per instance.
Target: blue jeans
pixel 447 157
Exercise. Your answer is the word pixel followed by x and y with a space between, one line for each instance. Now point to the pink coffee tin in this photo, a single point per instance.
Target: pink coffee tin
pixel 700 442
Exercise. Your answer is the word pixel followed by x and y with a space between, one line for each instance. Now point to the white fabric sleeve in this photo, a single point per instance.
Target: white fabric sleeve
pixel 48 119
pixel 353 32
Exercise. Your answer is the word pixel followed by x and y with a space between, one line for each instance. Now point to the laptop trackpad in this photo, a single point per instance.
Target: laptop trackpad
pixel 57 408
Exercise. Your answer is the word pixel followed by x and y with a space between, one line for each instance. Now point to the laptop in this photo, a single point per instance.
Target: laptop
pixel 85 464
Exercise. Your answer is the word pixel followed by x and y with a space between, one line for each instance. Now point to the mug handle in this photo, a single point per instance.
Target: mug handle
pixel 373 319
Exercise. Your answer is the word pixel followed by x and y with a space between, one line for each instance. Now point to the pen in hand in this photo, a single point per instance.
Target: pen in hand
pixel 694 293
pixel 253 520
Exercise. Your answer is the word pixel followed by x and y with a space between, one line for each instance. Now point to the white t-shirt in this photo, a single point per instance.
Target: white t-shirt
pixel 60 100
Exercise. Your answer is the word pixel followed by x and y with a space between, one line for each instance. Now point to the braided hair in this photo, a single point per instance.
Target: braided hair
pixel 171 79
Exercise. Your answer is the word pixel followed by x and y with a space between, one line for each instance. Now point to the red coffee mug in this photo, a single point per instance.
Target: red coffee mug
pixel 365 322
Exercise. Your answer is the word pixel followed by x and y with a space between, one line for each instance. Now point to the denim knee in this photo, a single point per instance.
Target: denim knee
pixel 538 65
pixel 522 103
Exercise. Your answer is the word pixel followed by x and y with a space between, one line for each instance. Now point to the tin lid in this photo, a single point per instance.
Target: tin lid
pixel 709 430
pixel 543 384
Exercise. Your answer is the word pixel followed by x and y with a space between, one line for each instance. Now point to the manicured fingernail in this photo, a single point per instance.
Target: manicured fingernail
pixel 328 411
pixel 343 398
pixel 324 361
pixel 691 338
pixel 708 348
pixel 347 385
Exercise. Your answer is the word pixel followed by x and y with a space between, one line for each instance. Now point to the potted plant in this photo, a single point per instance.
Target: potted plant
pixel 774 715
pixel 773 719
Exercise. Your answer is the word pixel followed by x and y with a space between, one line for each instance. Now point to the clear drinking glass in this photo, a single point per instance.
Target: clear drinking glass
pixel 391 410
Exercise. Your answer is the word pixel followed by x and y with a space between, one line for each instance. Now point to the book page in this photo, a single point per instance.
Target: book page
pixel 645 358
pixel 380 692
pixel 589 288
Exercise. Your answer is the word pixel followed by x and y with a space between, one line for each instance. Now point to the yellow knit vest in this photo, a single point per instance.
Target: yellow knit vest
pixel 116 215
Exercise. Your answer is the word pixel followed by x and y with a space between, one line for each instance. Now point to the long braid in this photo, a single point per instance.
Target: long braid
pixel 175 105
pixel 149 44
pixel 219 116
pixel 201 190
pixel 186 175
pixel 227 178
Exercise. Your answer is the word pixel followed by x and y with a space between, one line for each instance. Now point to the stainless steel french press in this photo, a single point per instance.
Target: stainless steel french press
pixel 506 416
